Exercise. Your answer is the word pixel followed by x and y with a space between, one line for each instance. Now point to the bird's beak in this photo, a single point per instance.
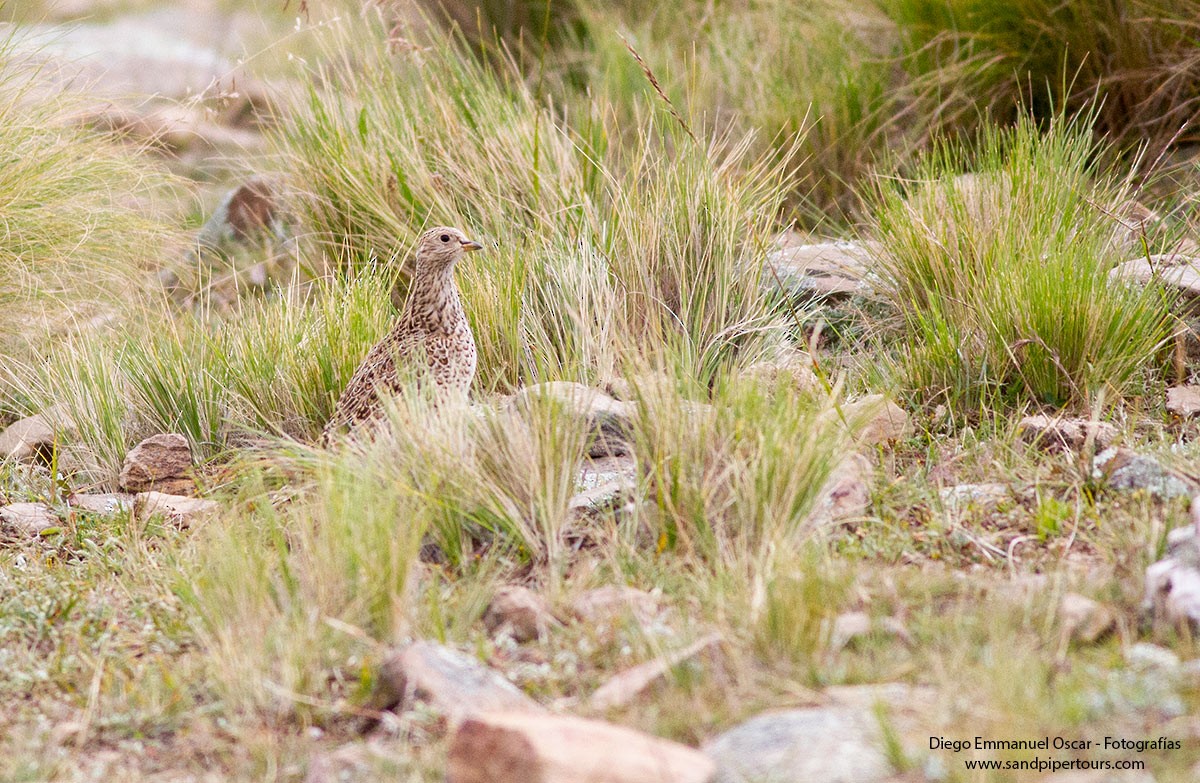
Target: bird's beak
pixel 471 246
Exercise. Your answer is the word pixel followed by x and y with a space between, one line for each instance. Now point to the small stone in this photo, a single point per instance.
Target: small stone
pixel 875 420
pixel 518 612
pixel 159 463
pixel 624 688
pixel 605 500
pixel 829 744
pixel 851 627
pixel 611 603
pixel 1184 400
pixel 23 521
pixel 591 514
pixel 1172 588
pixel 982 496
pixel 181 510
pixel 847 492
pixel 794 368
pixel 1126 470
pixel 1084 620
pixel 609 422
pixel 530 748
pixel 452 683
pixel 35 435
pixel 1054 434
pixel 607 470
pixel 105 504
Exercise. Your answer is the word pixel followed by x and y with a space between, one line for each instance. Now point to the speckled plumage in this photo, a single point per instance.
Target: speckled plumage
pixel 431 341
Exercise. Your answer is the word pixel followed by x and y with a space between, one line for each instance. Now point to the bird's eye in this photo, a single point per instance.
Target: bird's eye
pixel 445 237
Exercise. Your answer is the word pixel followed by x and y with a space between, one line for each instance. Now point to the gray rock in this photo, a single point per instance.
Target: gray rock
pixel 23 521
pixel 609 422
pixel 35 435
pixel 1146 656
pixel 612 499
pixel 159 463
pixel 847 493
pixel 978 495
pixel 828 271
pixel 518 612
pixel 598 472
pixel 1126 470
pixel 1084 620
pixel 827 744
pixel 450 682
pixel 1057 434
pixel 1173 584
pixel 1177 272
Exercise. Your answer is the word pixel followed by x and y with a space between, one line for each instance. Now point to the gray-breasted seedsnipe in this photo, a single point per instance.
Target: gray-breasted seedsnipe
pixel 432 340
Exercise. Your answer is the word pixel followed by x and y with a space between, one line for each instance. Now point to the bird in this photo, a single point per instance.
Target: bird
pixel 430 342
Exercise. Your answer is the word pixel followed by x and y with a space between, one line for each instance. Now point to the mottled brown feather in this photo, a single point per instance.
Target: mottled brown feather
pixel 431 341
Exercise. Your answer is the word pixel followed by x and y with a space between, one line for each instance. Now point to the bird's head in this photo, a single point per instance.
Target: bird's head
pixel 443 246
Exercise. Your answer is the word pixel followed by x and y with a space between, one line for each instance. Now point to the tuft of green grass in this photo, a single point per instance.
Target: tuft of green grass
pixel 1002 274
pixel 1134 60
pixel 594 249
pixel 275 366
pixel 739 477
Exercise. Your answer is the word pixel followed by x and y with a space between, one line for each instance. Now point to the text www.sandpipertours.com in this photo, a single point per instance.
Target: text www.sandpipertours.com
pixel 1046 764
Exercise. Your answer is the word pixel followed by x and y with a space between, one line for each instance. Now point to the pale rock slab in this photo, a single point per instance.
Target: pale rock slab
pixel 827 744
pixel 181 510
pixel 829 271
pixel 24 521
pixel 876 420
pixel 106 504
pixel 1184 400
pixel 1175 271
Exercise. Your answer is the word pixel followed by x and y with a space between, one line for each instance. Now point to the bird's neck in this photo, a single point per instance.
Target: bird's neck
pixel 433 302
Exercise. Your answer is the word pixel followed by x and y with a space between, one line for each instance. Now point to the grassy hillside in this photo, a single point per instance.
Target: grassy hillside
pixel 635 175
